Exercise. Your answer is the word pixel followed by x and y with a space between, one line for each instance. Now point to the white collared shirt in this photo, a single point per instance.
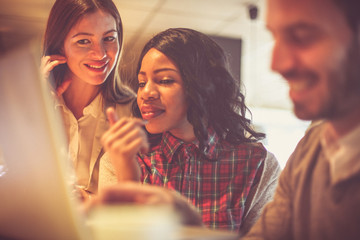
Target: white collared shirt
pixel 81 136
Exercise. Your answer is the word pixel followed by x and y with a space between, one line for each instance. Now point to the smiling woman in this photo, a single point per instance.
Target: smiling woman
pixel 91 48
pixel 159 77
pixel 82 45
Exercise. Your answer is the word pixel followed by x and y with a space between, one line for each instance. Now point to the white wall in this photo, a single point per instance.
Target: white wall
pixel 267 94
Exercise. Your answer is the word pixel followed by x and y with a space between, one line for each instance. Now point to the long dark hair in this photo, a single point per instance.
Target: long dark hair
pixel 214 96
pixel 63 16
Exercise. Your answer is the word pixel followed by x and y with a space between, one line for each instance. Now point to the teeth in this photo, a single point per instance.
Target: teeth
pixel 97 67
pixel 299 85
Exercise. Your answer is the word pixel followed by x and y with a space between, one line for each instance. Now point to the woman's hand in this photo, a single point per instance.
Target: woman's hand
pixel 124 139
pixel 48 63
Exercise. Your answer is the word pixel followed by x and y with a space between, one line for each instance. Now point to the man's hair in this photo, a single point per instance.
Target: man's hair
pixel 351 10
pixel 213 96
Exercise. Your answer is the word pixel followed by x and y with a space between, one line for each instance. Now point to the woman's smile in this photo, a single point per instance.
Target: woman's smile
pixel 151 111
pixel 97 66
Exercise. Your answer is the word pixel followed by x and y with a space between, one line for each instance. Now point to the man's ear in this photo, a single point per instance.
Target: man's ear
pixel 354 73
pixel 357 38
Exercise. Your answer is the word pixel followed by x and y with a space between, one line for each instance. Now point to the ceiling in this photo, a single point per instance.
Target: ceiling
pixel 141 18
pixel 215 17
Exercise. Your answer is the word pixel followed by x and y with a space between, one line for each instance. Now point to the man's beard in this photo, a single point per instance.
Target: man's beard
pixel 343 88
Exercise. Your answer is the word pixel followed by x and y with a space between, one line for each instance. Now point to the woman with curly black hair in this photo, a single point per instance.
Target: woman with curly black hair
pixel 201 143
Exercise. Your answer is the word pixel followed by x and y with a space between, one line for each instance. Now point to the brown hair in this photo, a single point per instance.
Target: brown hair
pixel 63 16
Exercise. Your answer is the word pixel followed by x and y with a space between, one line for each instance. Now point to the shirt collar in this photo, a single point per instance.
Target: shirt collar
pixel 95 108
pixel 343 155
pixel 169 145
pixel 59 102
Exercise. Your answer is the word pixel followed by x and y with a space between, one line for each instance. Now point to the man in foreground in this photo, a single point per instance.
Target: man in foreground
pixel 317 52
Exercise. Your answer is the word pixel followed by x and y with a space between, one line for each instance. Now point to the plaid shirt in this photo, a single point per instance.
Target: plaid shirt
pixel 217 182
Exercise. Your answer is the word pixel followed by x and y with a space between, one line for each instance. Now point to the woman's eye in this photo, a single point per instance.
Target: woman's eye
pixel 83 41
pixel 141 84
pixel 109 39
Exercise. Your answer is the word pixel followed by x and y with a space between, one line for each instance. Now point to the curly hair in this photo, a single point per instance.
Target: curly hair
pixel 63 16
pixel 214 97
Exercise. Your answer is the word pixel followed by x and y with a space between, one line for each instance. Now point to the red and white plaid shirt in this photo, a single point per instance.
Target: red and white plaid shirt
pixel 217 182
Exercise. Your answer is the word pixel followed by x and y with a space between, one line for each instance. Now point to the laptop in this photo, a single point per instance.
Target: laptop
pixel 36 177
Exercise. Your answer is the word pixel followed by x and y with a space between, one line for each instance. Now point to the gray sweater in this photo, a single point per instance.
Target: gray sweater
pixel 306 204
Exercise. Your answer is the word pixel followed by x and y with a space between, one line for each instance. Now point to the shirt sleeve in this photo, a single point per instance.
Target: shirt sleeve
pixel 107 174
pixel 261 193
pixel 275 220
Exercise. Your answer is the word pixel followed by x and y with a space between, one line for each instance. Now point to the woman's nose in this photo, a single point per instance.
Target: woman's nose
pixel 98 51
pixel 149 91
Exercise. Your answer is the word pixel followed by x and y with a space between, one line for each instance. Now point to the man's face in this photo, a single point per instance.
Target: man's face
pixel 316 52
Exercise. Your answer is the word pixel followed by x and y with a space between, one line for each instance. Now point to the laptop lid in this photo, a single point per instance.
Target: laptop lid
pixel 35 201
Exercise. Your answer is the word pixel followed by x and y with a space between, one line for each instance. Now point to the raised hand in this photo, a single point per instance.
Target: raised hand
pixel 124 139
pixel 48 63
